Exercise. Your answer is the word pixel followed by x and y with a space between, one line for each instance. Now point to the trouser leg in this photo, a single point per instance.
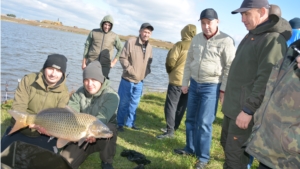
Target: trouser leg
pixel 124 92
pixel 181 108
pixel 76 155
pixel 235 155
pixel 173 96
pixel 136 94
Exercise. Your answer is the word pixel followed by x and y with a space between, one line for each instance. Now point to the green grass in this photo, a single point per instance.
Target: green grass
pixel 150 118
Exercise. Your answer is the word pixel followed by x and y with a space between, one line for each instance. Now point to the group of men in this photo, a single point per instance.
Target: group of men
pixel 257 85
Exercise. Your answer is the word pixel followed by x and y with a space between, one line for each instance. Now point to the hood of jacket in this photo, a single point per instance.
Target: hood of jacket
pixel 107 18
pixel 188 32
pixel 275 24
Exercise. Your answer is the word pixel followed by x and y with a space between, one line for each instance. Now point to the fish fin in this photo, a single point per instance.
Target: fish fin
pixel 86 144
pixel 61 143
pixel 50 139
pixel 20 118
pixel 81 141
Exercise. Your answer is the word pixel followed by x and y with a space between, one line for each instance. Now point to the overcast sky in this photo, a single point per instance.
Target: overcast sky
pixel 168 17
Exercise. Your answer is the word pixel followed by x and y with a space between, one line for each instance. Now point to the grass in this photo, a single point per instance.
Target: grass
pixel 150 118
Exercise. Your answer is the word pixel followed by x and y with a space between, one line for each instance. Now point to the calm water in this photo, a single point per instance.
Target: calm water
pixel 24 49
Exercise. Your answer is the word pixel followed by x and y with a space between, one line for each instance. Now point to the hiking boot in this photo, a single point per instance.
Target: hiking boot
pixel 120 129
pixel 182 152
pixel 200 165
pixel 165 135
pixel 106 165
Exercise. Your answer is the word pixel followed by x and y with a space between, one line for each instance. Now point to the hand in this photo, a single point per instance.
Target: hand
pixel 83 66
pixel 298 60
pixel 221 97
pixel 184 89
pixel 113 63
pixel 40 129
pixel 90 139
pixel 243 120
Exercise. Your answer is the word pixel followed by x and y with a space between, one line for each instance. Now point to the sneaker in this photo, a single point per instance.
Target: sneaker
pixel 106 165
pixel 200 165
pixel 163 130
pixel 165 135
pixel 134 128
pixel 182 152
pixel 120 129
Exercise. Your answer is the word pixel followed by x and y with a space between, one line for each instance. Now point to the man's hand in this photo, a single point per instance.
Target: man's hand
pixel 90 139
pixel 113 63
pixel 243 120
pixel 40 129
pixel 184 89
pixel 221 97
pixel 83 63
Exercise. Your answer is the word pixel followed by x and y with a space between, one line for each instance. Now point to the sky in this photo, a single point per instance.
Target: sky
pixel 167 17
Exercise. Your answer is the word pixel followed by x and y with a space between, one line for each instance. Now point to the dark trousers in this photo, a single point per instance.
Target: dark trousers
pixel 175 106
pixel 262 166
pixel 76 155
pixel 41 140
pixel 232 140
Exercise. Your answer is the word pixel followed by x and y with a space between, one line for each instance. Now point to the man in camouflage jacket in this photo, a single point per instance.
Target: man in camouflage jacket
pixel 275 138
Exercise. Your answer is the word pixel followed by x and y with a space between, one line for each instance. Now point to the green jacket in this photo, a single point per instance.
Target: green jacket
pixel 103 105
pixel 275 138
pixel 257 53
pixel 176 57
pixel 98 41
pixel 32 96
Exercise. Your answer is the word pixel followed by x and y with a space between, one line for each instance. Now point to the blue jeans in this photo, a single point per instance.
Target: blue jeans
pixel 201 112
pixel 130 94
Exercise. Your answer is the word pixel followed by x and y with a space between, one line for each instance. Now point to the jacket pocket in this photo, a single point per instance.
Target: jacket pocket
pixel 245 92
pixel 290 139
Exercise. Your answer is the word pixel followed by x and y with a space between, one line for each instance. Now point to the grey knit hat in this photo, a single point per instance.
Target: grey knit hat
pixel 93 71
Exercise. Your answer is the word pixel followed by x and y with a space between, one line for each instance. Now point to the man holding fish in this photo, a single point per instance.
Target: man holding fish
pixel 96 98
pixel 36 92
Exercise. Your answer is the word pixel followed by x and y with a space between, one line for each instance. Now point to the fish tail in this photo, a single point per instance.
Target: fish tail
pixel 20 118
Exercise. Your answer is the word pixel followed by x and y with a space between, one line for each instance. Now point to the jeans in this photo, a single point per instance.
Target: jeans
pixel 175 106
pixel 130 94
pixel 201 112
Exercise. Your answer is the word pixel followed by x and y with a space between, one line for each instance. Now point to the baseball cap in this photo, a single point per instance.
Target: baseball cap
pixel 208 13
pixel 147 25
pixel 249 4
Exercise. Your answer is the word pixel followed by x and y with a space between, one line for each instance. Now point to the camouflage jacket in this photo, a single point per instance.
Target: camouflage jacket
pixel 275 138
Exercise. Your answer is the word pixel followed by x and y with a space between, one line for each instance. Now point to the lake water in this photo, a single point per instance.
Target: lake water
pixel 25 48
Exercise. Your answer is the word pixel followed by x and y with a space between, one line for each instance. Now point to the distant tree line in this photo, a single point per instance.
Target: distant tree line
pixel 11 15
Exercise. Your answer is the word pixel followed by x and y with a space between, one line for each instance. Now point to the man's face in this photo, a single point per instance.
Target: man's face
pixel 106 27
pixel 145 34
pixel 52 75
pixel 209 27
pixel 92 85
pixel 251 18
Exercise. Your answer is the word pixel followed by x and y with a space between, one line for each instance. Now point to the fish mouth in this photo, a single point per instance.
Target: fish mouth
pixel 107 134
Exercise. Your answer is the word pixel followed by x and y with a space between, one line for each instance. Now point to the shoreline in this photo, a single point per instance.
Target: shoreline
pixel 154 42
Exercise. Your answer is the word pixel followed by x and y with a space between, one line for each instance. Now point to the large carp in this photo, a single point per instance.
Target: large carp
pixel 63 123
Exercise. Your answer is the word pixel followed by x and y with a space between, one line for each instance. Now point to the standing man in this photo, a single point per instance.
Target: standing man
pixel 261 48
pixel 100 46
pixel 176 101
pixel 206 69
pixel 295 24
pixel 135 59
pixel 36 92
pixel 96 98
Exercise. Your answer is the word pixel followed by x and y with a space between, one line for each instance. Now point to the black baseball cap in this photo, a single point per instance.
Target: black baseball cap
pixel 249 4
pixel 208 13
pixel 147 25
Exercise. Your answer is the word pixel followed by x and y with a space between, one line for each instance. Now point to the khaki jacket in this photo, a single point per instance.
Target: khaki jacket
pixel 176 57
pixel 135 64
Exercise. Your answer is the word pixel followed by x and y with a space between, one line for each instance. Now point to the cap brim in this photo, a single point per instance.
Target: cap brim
pixel 207 18
pixel 240 10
